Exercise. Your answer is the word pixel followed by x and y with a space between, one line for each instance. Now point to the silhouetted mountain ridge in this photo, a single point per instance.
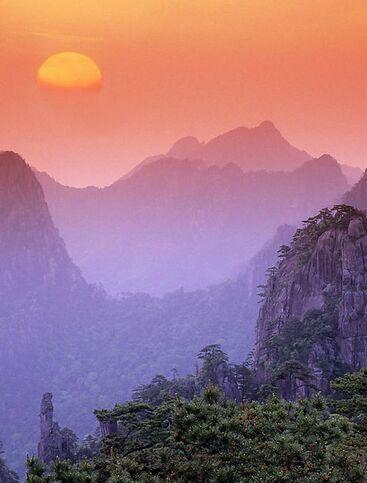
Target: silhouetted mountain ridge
pixel 64 336
pixel 180 223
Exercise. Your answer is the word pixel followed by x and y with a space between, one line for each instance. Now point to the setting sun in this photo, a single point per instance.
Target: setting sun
pixel 70 70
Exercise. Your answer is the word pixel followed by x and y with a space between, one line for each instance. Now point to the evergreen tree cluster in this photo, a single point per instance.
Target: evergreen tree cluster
pixel 191 429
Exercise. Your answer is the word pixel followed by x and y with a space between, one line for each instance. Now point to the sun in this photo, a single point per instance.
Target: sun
pixel 70 70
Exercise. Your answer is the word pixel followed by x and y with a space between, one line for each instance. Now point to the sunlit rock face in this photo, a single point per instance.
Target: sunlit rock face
pixel 333 272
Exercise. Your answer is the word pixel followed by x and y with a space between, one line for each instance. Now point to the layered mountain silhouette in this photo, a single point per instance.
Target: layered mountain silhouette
pixel 179 223
pixel 62 335
pixel 259 148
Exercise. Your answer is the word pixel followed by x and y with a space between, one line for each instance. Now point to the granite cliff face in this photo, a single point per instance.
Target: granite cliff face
pixel 313 320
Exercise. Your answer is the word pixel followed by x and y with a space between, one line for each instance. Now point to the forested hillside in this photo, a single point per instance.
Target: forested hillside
pixel 220 425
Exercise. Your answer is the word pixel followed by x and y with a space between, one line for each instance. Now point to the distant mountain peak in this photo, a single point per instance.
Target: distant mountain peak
pixel 257 148
pixel 184 147
pixel 324 162
pixel 267 126
pixel 327 159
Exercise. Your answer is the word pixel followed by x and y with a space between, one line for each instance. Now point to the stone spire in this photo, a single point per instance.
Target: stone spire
pixel 54 442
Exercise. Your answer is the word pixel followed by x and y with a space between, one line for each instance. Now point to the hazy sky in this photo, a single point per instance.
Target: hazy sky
pixel 178 67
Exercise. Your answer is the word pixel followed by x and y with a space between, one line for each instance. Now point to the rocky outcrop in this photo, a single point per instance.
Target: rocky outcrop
pixel 54 442
pixel 321 285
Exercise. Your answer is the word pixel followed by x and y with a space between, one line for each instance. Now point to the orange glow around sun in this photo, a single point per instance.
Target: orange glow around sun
pixel 70 70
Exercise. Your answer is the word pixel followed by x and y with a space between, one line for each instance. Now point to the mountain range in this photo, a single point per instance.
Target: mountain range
pixel 179 223
pixel 172 223
pixel 252 149
pixel 63 335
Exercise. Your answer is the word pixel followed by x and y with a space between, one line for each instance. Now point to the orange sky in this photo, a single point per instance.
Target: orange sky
pixel 178 67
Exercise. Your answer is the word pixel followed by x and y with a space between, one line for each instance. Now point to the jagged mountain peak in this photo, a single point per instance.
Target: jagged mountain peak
pixel 256 148
pixel 326 170
pixel 325 160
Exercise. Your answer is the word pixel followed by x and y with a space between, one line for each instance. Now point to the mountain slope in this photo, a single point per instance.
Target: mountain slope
pixel 178 223
pixel 34 258
pixel 252 149
pixel 357 196
pixel 352 173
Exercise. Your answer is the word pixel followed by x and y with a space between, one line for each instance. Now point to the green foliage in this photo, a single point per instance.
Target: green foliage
pixel 89 447
pixel 36 472
pixel 211 439
pixel 289 349
pixel 161 387
pixel 213 359
pixel 244 378
pixel 163 436
pixel 215 369
pixel 61 472
pixel 305 238
pixel 352 391
pixel 144 336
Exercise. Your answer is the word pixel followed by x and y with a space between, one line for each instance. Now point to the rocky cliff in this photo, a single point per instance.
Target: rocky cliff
pixel 312 323
pixel 33 256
